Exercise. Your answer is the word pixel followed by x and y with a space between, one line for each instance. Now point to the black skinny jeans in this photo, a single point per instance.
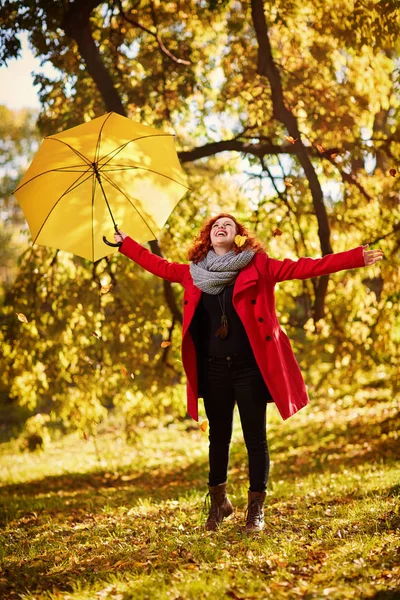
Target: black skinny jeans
pixel 228 381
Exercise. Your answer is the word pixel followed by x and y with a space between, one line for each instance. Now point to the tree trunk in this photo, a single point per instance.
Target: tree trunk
pixel 266 67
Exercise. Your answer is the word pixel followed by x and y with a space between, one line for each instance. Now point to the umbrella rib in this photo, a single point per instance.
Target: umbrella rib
pixel 93 197
pixel 120 148
pixel 97 151
pixel 79 154
pixel 61 169
pixel 82 156
pixel 131 203
pixel 156 173
pixel 70 189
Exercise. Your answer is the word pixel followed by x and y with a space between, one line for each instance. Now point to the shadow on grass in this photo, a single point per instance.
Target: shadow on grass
pixel 334 448
pixel 100 488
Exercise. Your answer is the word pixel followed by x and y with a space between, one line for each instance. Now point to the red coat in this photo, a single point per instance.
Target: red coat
pixel 253 299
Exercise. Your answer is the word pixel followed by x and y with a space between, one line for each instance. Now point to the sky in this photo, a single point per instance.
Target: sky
pixel 16 80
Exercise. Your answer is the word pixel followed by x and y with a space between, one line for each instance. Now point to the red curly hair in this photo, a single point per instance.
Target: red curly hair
pixel 202 243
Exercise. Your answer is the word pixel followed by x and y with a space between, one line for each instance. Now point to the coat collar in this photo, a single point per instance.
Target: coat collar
pixel 247 277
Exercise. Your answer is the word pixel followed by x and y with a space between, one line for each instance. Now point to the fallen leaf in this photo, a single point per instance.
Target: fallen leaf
pixel 290 139
pixel 105 288
pixel 393 172
pixel 276 232
pixel 240 240
pixel 165 344
pixel 22 317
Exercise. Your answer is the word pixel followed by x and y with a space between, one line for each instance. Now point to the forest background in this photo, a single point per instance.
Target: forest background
pixel 285 114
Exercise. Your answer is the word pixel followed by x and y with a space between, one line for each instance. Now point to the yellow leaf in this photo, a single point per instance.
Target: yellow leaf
pixel 165 344
pixel 203 426
pixel 290 139
pixel 288 182
pixel 22 317
pixel 240 240
pixel 105 288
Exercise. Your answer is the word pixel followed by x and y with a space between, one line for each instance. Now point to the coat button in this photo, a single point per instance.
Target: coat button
pixel 186 302
pixel 268 338
pixel 261 319
pixel 253 301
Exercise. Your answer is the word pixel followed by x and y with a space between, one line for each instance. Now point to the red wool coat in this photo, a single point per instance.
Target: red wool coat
pixel 253 299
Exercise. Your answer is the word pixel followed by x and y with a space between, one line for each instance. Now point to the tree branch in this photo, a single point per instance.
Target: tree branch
pixel 76 24
pixel 132 21
pixel 234 145
pixel 350 178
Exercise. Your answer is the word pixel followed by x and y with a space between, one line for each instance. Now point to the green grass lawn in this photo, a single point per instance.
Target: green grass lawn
pixel 127 521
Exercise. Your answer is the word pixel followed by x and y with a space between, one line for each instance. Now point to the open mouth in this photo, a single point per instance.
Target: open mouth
pixel 220 233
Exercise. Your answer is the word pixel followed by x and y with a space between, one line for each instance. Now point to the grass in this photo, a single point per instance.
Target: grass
pixel 120 522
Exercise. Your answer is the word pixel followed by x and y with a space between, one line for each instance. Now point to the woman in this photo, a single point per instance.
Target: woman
pixel 233 349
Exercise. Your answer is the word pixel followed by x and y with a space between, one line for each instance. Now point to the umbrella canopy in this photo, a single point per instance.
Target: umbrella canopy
pixel 85 179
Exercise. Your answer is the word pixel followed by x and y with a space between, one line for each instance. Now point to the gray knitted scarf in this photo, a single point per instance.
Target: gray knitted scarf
pixel 213 273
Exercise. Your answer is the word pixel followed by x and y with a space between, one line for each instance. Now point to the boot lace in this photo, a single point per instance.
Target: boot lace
pixel 211 507
pixel 254 511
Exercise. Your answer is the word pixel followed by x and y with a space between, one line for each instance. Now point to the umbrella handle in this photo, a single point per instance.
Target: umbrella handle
pixel 117 245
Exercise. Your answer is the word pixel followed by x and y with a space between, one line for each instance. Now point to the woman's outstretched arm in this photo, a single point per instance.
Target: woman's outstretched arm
pixel 172 271
pixel 305 268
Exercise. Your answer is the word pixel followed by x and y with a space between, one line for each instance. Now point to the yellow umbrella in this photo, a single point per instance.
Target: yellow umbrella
pixel 108 167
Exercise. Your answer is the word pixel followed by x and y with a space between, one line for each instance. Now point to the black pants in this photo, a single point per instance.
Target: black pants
pixel 226 381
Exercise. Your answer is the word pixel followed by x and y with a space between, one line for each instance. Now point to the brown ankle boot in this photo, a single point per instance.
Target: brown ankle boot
pixel 255 512
pixel 220 506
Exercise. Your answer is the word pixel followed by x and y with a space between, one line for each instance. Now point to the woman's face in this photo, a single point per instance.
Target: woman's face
pixel 223 233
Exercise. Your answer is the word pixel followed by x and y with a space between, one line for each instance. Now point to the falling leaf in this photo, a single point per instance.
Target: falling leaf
pixel 105 288
pixel 290 139
pixel 124 372
pixel 165 344
pixel 22 317
pixel 203 426
pixel 132 376
pixel 240 240
pixel 85 435
pixel 276 232
pixel 320 148
pixel 95 334
pixel 288 182
pixel 393 172
pixel 334 155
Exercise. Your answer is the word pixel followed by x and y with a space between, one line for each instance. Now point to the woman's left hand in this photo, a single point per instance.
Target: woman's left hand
pixel 371 256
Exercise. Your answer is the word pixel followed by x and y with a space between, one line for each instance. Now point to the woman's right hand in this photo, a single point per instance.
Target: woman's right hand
pixel 120 236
